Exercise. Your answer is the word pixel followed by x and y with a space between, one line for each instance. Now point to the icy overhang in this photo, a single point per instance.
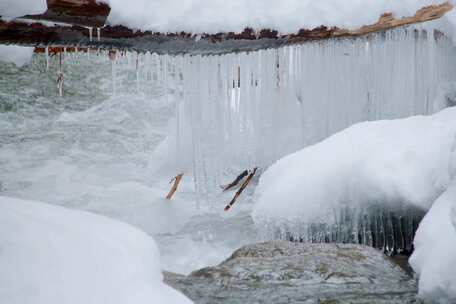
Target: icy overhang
pixel 86 26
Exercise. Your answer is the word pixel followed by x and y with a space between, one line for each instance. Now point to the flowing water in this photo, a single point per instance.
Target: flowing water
pixel 126 124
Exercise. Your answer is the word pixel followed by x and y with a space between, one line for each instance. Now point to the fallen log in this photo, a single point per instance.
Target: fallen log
pixel 239 192
pixel 176 183
pixel 36 33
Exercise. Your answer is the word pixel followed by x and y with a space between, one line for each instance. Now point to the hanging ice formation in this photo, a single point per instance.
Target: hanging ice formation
pixel 60 76
pixel 238 111
pixel 388 228
pixel 90 32
pixel 46 51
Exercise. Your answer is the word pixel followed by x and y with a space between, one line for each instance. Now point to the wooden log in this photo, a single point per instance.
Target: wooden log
pixel 239 192
pixel 176 181
pixel 80 12
pixel 34 33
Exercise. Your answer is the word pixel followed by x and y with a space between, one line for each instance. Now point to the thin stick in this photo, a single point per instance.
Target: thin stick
pixel 236 181
pixel 238 193
pixel 176 180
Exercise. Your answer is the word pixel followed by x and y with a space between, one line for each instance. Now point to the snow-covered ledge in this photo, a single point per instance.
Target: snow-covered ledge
pixel 211 37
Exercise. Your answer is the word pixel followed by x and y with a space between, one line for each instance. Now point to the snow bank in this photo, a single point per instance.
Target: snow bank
pixel 19 55
pixel 288 16
pixel 50 254
pixel 18 8
pixel 410 161
pixel 435 250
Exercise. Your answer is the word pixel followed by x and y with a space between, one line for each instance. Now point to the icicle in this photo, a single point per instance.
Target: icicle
pixel 137 72
pixel 90 32
pixel 112 54
pixel 98 34
pixel 60 76
pixel 47 58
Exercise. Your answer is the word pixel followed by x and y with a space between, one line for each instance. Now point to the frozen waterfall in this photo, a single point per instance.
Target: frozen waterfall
pixel 220 115
pixel 237 111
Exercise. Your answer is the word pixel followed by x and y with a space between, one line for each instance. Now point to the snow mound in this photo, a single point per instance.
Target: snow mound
pixel 19 55
pixel 409 161
pixel 18 8
pixel 435 250
pixel 287 16
pixel 51 254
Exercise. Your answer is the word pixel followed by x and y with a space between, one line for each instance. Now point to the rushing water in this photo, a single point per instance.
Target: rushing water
pixel 128 123
pixel 93 149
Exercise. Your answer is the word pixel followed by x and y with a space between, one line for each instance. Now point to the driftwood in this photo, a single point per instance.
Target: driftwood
pixel 173 190
pixel 239 192
pixel 78 14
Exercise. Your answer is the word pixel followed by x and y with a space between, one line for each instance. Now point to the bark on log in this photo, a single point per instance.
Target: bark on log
pixel 119 37
pixel 79 12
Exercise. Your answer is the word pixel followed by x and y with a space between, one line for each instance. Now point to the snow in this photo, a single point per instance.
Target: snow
pixel 406 161
pixel 19 55
pixel 18 8
pixel 51 254
pixel 287 16
pixel 390 162
pixel 435 250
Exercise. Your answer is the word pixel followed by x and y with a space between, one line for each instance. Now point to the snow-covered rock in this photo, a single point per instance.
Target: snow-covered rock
pixel 406 161
pixel 54 255
pixel 286 272
pixel 19 55
pixel 435 250
pixel 410 161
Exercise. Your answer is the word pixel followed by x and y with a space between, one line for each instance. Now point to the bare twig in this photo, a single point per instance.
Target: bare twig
pixel 238 193
pixel 176 181
pixel 236 181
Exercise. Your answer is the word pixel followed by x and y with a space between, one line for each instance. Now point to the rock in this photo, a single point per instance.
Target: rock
pixel 287 272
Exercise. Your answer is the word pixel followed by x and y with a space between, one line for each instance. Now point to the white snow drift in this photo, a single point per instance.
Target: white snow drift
pixel 51 255
pixel 435 250
pixel 410 161
pixel 287 16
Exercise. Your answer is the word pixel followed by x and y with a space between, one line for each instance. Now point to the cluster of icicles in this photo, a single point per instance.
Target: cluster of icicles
pixel 388 228
pixel 244 110
pixel 239 111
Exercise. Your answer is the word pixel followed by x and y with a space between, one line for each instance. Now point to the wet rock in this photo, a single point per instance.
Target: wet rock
pixel 287 272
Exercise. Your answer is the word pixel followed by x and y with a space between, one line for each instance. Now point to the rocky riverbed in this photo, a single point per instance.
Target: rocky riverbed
pixel 287 272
